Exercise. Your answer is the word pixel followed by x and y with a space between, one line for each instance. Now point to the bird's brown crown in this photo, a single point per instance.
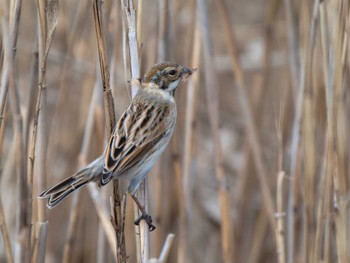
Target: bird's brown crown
pixel 167 76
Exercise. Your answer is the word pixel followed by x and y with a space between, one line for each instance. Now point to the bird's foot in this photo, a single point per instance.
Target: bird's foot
pixel 148 220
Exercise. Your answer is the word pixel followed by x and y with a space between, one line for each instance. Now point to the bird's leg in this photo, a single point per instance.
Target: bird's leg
pixel 143 215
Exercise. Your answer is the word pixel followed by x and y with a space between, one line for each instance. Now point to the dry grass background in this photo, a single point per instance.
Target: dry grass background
pixel 258 168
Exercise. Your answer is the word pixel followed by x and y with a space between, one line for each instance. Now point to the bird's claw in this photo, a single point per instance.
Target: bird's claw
pixel 148 220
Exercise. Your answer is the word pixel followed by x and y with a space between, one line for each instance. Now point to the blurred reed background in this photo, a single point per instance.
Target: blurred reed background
pixel 258 167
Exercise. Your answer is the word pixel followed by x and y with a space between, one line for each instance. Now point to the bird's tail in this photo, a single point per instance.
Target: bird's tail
pixel 90 173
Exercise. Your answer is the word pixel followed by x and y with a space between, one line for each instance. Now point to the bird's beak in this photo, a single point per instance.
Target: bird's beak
pixel 187 73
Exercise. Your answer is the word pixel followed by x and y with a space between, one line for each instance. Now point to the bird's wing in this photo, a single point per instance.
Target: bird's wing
pixel 135 134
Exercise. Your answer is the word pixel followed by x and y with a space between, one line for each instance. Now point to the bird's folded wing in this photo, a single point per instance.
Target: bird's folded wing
pixel 136 133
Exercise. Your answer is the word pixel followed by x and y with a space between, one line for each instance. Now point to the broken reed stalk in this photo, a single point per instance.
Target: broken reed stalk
pixel 110 122
pixel 227 237
pixel 247 112
pixel 166 248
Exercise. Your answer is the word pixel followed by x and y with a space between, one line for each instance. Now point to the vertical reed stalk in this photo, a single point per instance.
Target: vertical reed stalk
pixel 305 68
pixel 340 172
pixel 190 121
pixel 23 219
pixel 110 122
pixel 142 194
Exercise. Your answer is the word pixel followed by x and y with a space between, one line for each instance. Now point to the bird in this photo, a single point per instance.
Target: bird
pixel 139 138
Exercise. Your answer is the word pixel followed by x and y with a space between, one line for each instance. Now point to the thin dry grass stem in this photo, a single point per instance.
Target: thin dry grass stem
pixel 133 45
pixel 321 216
pixel 40 242
pixel 308 124
pixel 113 44
pixel 102 52
pixel 2 132
pixel 257 98
pixel 102 213
pixel 247 112
pixel 13 25
pixel 190 118
pixel 74 215
pixel 101 208
pixel 162 27
pixel 271 17
pixel 9 44
pixel 340 172
pixel 160 187
pixel 260 82
pixel 5 235
pixel 305 68
pixel 3 93
pixel 48 19
pixel 184 188
pixel 71 229
pixel 142 194
pixel 213 108
pixel 139 23
pixel 47 25
pixel 258 237
pixel 161 167
pixel 110 122
pixel 320 219
pixel 33 83
pixel 280 215
pixel 23 218
pixel 124 42
pixel 244 177
pixel 327 199
pixel 293 45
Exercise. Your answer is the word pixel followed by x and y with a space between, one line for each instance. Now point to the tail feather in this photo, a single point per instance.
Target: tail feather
pixel 58 192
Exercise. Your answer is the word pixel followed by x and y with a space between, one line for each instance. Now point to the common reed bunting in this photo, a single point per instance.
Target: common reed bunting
pixel 139 138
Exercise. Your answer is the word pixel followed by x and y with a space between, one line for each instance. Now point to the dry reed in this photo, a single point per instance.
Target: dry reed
pixel 258 167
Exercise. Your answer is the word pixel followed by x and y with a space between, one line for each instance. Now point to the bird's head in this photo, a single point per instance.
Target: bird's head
pixel 167 76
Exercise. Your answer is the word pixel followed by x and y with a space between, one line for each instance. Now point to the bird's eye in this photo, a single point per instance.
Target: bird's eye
pixel 172 72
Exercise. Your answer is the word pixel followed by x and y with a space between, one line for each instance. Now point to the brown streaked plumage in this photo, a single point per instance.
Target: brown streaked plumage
pixel 139 138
